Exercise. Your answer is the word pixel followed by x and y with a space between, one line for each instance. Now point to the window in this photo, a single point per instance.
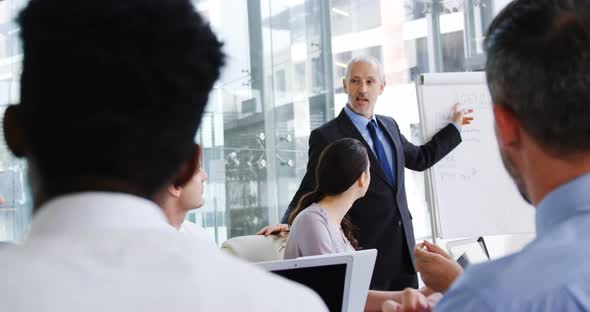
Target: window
pixel 286 59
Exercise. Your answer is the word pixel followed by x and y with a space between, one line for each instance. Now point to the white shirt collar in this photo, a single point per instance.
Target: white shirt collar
pixel 96 211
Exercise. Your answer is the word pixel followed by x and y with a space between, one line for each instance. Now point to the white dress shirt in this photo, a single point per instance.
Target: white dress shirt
pixel 196 231
pixel 116 252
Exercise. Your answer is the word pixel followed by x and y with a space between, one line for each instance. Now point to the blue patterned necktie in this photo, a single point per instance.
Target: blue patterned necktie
pixel 380 151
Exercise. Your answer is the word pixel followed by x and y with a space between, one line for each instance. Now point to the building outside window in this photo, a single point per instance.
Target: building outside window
pixel 283 78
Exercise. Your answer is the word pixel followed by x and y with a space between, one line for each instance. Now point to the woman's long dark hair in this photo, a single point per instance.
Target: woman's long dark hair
pixel 340 165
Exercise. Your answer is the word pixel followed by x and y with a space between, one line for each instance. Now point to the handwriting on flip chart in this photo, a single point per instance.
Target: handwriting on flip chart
pixel 470 183
pixel 479 101
pixel 460 165
pixel 473 99
pixel 452 169
pixel 463 175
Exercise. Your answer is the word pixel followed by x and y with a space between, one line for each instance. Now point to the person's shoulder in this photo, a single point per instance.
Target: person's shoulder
pixel 311 222
pixel 10 260
pixel 387 120
pixel 476 289
pixel 526 273
pixel 283 295
pixel 385 117
pixel 310 215
pixel 196 231
pixel 256 289
pixel 15 257
pixel 522 271
pixel 21 271
pixel 327 128
pixel 498 287
pixel 331 130
pixel 192 228
pixel 197 273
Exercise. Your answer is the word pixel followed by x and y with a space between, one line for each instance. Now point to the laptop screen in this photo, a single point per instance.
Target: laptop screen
pixel 327 281
pixel 469 251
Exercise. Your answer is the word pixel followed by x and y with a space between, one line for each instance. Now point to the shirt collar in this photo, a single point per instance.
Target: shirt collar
pixel 564 202
pixel 92 211
pixel 359 121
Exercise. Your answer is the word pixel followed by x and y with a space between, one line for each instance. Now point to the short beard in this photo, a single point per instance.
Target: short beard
pixel 516 177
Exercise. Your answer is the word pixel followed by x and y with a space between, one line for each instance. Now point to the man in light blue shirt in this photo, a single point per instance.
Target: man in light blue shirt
pixel 538 72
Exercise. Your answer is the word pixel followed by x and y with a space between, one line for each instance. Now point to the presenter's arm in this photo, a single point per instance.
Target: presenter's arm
pixel 422 157
pixel 311 236
pixel 317 143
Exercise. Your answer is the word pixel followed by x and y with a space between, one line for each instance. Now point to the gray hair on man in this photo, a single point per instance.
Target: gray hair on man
pixel 365 59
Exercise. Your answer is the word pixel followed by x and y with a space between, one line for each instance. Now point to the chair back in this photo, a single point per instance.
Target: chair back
pixel 256 248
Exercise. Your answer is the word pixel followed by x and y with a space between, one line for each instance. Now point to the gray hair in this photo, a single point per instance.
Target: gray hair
pixel 365 59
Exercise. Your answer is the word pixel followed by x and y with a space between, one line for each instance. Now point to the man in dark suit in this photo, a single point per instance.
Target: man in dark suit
pixel 382 216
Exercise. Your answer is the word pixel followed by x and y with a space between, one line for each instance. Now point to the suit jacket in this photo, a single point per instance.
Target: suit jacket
pixel 382 216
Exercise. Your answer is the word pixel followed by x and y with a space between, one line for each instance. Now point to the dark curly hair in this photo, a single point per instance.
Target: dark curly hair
pixel 114 89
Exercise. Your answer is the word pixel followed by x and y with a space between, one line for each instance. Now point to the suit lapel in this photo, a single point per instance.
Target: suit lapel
pixel 349 130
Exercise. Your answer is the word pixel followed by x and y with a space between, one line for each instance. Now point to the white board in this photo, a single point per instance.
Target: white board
pixel 470 192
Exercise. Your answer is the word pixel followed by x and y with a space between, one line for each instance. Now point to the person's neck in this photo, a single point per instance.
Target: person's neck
pixel 175 217
pixel 546 174
pixel 44 191
pixel 337 206
pixel 352 110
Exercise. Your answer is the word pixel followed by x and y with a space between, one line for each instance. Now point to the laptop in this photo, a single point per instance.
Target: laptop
pixel 341 280
pixel 469 251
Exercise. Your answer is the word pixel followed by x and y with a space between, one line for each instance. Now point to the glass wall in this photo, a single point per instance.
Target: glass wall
pixel 283 78
pixel 15 204
pixel 286 60
pixel 275 88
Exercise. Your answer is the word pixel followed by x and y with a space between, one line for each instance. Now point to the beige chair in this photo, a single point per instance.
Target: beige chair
pixel 256 248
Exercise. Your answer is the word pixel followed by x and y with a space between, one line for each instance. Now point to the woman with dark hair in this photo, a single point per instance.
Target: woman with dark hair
pixel 319 224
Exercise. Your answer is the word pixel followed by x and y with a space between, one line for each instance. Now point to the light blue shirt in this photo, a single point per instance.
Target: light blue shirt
pixel 552 273
pixel 361 122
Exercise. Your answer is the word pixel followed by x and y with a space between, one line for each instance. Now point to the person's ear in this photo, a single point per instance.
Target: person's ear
pixel 174 190
pixel 345 85
pixel 362 180
pixel 507 127
pixel 188 169
pixel 382 87
pixel 14 133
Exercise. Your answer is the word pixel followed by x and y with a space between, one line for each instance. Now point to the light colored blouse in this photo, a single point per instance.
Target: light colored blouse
pixel 312 234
